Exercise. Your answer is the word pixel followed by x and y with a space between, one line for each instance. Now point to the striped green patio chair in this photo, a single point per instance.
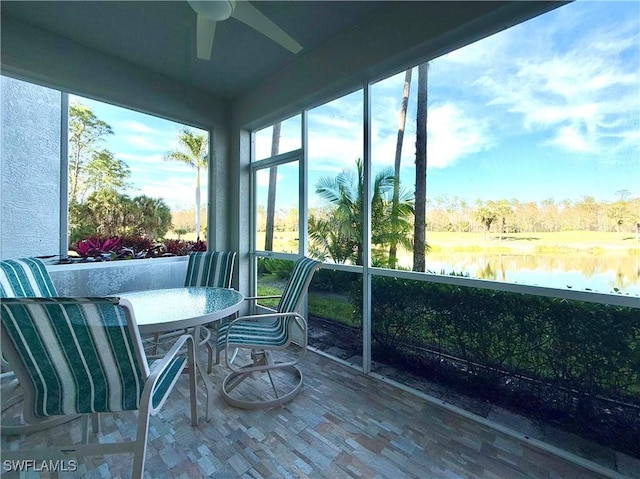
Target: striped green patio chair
pixel 25 277
pixel 82 356
pixel 213 269
pixel 265 334
pixel 19 278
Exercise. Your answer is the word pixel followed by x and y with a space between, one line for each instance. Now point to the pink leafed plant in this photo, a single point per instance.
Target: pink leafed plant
pixel 97 246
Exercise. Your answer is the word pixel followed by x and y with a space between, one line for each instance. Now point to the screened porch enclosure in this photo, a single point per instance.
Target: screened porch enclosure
pixel 457 370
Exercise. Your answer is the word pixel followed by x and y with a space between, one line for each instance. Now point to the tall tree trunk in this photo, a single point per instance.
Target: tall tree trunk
pixel 419 243
pixel 271 196
pixel 73 174
pixel 197 203
pixel 402 120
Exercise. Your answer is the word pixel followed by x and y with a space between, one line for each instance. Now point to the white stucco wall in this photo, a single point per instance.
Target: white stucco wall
pixel 29 170
pixel 113 277
pixel 33 54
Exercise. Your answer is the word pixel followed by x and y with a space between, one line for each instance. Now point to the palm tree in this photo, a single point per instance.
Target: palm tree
pixel 329 239
pixel 271 195
pixel 194 151
pixel 346 193
pixel 402 120
pixel 420 226
pixel 154 217
pixel 486 215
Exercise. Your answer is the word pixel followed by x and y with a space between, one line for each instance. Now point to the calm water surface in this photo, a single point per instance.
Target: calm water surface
pixel 605 273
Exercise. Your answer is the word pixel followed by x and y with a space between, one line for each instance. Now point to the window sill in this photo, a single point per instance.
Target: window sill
pixel 125 263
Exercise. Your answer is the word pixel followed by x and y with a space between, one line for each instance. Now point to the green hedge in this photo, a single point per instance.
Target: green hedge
pixel 586 348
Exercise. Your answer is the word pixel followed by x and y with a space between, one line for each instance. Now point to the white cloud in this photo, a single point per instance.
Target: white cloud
pixel 154 143
pixel 453 134
pixel 136 158
pixel 178 193
pixel 572 139
pixel 333 152
pixel 576 86
pixel 262 177
pixel 137 127
pixel 335 138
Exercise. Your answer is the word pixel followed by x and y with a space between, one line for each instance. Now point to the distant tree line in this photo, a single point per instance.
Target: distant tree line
pixel 514 216
pixel 505 216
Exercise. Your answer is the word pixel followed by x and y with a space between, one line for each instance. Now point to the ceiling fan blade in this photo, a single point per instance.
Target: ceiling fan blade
pixel 250 15
pixel 205 31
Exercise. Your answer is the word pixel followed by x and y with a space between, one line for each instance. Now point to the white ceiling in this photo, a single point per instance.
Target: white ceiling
pixel 160 35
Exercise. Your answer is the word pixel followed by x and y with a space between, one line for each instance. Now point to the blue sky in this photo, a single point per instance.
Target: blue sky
pixel 547 109
pixel 141 141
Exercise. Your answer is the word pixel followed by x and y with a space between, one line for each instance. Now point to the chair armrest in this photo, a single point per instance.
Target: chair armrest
pixel 158 367
pixel 271 296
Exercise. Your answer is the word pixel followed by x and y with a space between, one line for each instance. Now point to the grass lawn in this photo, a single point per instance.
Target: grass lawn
pixel 590 242
pixel 587 241
pixel 563 242
pixel 185 237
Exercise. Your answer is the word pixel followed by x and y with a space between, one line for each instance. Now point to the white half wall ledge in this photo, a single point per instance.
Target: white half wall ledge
pixel 112 277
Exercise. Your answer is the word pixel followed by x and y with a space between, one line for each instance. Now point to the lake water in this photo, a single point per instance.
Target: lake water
pixel 602 273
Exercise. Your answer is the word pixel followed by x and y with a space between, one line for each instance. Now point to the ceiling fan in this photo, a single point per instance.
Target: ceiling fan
pixel 212 11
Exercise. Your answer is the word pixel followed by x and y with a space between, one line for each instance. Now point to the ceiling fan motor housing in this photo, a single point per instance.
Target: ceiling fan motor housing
pixel 217 10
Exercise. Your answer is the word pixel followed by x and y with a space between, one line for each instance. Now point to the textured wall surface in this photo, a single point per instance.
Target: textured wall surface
pixel 29 170
pixel 110 278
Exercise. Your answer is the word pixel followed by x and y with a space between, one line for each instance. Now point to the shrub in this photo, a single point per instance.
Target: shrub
pixel 107 248
pixel 584 348
pixel 280 268
pixel 97 246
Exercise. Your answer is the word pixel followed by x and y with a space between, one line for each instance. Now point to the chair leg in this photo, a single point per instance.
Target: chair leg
pixel 95 426
pixel 96 423
pixel 210 358
pixel 156 341
pixel 218 350
pixel 85 429
pixel 273 385
pixel 220 347
pixel 191 365
pixel 140 444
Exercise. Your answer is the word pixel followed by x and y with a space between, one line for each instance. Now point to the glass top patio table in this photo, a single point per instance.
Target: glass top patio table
pixel 160 310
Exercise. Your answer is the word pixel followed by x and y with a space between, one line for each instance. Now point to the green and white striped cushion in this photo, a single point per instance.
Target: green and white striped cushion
pixel 296 286
pixel 276 333
pixel 78 354
pixel 213 269
pixel 273 333
pixel 25 277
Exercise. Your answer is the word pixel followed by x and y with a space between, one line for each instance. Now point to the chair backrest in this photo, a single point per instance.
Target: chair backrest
pixel 25 277
pixel 293 294
pixel 74 355
pixel 213 268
